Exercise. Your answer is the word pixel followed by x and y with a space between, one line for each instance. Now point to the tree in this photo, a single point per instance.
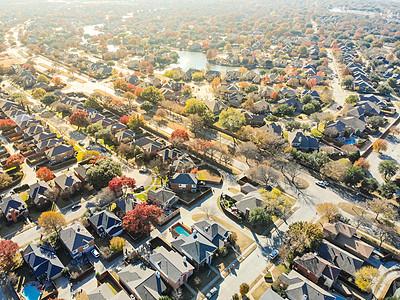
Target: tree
pixel 352 99
pixel 365 277
pixel 147 106
pixel 362 163
pixel 284 110
pixel 42 79
pixel 92 102
pixel 179 137
pixel 117 243
pixel 124 120
pixel 249 150
pixel 348 82
pixel 244 289
pixel 105 135
pixel 6 124
pixel 38 94
pixel 51 221
pixel 196 124
pixel 49 99
pixel 387 168
pixel 196 106
pixel 10 256
pixel 45 174
pixel 84 155
pixel 139 219
pixel 103 171
pixel 259 216
pixel 383 89
pixel 376 122
pixel 329 210
pixel 386 233
pixel 293 125
pixel 15 161
pixel 369 185
pixel 128 151
pixel 117 184
pixel 92 129
pixel 152 94
pixel 380 145
pixel 388 189
pixel 309 108
pixel 336 169
pixel 79 118
pixel 5 180
pixel 198 76
pixel 392 83
pixel 381 206
pixel 56 81
pixel 20 98
pixel 264 174
pixel 135 122
pixel 232 119
pixel 354 175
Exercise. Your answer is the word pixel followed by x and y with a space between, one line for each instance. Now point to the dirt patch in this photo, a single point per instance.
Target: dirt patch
pixel 260 290
pixel 301 183
pixel 243 241
pixel 103 93
pixel 353 209
pixel 9 61
pixel 207 175
pixel 233 190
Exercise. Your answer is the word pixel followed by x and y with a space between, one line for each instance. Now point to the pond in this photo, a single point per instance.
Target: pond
pixel 197 60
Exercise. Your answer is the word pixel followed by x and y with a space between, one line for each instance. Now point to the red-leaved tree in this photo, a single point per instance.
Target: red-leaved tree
pixel 117 184
pixel 15 161
pixel 79 118
pixel 124 119
pixel 180 133
pixel 141 218
pixel 45 174
pixel 10 256
pixel 6 124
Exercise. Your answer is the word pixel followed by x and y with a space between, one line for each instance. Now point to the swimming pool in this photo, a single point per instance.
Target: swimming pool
pixel 350 141
pixel 180 231
pixel 31 293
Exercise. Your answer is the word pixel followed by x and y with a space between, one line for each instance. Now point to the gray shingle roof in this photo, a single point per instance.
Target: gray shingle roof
pixel 13 201
pixel 75 236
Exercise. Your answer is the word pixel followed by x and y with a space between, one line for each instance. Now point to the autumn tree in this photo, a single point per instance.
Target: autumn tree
pixel 135 122
pixel 84 155
pixel 42 79
pixel 15 161
pixel 10 255
pixel 249 150
pixel 45 174
pixel 56 81
pixel 363 163
pixel 365 277
pixel 117 243
pixel 152 94
pixel 51 221
pixel 380 145
pixel 48 99
pixel 79 118
pixel 140 219
pixel 6 124
pixel 381 206
pixel 124 120
pixel 38 94
pixel 179 137
pixel 5 180
pixel 265 174
pixel 92 102
pixel 328 210
pixel 232 119
pixel 197 107
pixel 117 184
pixel 244 289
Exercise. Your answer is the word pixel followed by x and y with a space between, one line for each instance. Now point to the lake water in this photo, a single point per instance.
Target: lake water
pixel 197 60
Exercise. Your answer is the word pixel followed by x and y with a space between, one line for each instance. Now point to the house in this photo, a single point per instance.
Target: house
pixel 142 282
pixel 270 295
pixel 44 136
pixel 300 141
pixel 37 194
pixel 300 288
pixel 47 144
pixel 43 261
pixel 60 153
pixel 103 292
pixel 173 267
pixel 106 223
pixel 246 203
pixel 168 154
pixel 248 188
pixel 186 182
pixel 344 236
pixel 272 128
pixel 162 197
pixel 316 269
pixel 67 183
pixel 80 172
pixel 13 208
pixel 212 231
pixel 198 250
pixel 116 127
pixel 125 204
pixel 76 239
pixel 293 102
pixel 183 164
pixel 125 136
pixel 215 106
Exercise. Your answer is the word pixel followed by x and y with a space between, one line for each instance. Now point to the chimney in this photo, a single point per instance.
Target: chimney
pixel 304 297
pixel 158 282
pixel 195 233
pixel 114 129
pixel 184 260
pixel 247 213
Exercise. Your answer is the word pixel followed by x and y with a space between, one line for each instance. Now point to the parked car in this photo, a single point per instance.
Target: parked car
pixel 139 189
pixel 81 143
pixel 89 148
pixel 95 253
pixel 76 206
pixel 273 254
pixel 211 293
pixel 143 170
pixel 322 183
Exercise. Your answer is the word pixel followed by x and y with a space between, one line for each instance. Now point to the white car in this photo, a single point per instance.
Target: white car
pixel 95 253
pixel 322 183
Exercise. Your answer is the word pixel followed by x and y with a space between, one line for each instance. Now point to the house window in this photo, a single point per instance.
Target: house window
pixel 182 186
pixel 86 246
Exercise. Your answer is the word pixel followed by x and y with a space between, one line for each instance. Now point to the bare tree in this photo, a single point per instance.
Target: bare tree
pixel 263 173
pixel 386 233
pixel 381 206
pixel 290 171
pixel 208 210
pixel 249 150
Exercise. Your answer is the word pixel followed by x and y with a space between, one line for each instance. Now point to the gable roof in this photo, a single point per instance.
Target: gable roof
pixel 14 201
pixel 66 180
pixel 37 190
pixel 317 266
pixel 74 236
pixel 270 295
pixel 162 194
pixel 212 231
pixel 103 292
pixel 184 178
pixel 127 203
pixel 106 219
pixel 249 201
pixel 59 149
pixel 302 141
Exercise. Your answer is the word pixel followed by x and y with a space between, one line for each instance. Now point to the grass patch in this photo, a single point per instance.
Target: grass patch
pixel 207 175
pixel 233 190
pixel 243 241
pixel 142 197
pixel 204 280
pixel 260 290
pixel 278 271
pixel 352 209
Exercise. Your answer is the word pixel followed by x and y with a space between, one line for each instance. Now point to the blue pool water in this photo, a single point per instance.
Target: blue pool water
pixel 180 231
pixel 350 141
pixel 31 293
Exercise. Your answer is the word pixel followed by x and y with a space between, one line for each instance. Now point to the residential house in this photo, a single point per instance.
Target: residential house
pixel 248 188
pixel 215 106
pixel 212 231
pixel 47 144
pixel 186 182
pixel 106 223
pixel 142 282
pixel 246 203
pixel 169 155
pixel 13 208
pixel 148 145
pixel 316 269
pixel 106 122
pixel 43 261
pixel 198 249
pixel 80 172
pixel 104 292
pixel 60 153
pixel 344 236
pixel 116 127
pixel 76 239
pixel 300 141
pixel 293 102
pixel 33 130
pixel 272 128
pixel 173 267
pixel 162 197
pixel 37 194
pixel 125 204
pixel 43 136
pixel 67 183
pixel 270 295
pixel 183 164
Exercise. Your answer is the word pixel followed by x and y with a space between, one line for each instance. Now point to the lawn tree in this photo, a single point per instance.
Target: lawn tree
pixel 376 122
pixel 352 99
pixel 38 94
pixel 45 174
pixel 394 131
pixel 152 94
pixel 84 155
pixel 79 118
pixel 105 135
pixel 387 168
pixel 290 170
pixel 102 172
pixel 159 167
pixel 196 124
pixel 381 206
pixel 244 289
pixel 380 145
pixel 51 221
pixel 140 219
pixel 386 233
pixel 117 243
pixel 260 216
pixel 177 294
pixel 92 129
pixel 365 277
pixel 15 161
pixel 249 150
pixel 10 256
pixel 329 210
pixel 354 175
pixel 135 122
pixel 232 119
pixel 128 151
pixel 388 189
pixel 179 137
pixel 197 107
pixel 147 106
pixel 92 102
pixel 118 185
pixel 124 119
pixel 5 180
pixel 363 163
pixel 265 174
pixel 48 99
pixel 6 124
pixel 369 185
pixel 208 210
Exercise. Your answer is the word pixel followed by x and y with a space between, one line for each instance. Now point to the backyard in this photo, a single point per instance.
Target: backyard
pixel 201 278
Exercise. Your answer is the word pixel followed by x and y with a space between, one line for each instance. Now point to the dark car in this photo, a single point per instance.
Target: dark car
pixel 139 189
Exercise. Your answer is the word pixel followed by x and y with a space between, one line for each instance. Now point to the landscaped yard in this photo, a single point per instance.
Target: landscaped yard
pixel 243 241
pixel 220 263
pixel 207 175
pixel 260 290
pixel 205 274
pixel 24 276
